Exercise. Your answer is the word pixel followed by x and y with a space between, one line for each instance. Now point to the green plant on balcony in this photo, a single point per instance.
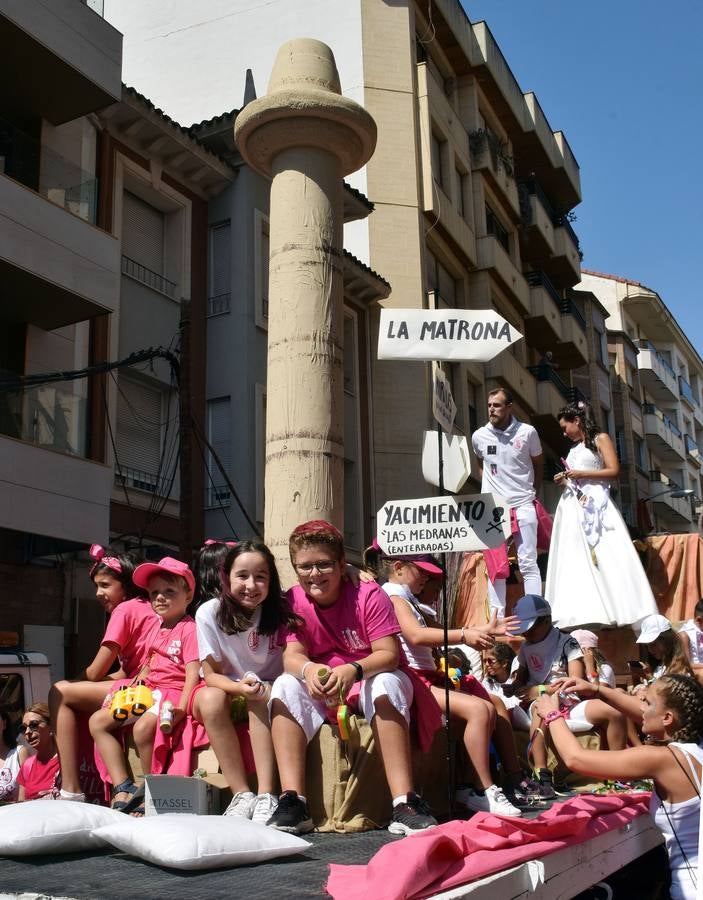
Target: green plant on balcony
pixel 481 138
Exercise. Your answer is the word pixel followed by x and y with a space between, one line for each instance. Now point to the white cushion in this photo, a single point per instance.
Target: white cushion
pixel 184 841
pixel 52 826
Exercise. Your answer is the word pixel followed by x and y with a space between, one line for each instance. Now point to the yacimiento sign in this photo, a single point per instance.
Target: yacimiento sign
pixel 443 524
pixel 449 334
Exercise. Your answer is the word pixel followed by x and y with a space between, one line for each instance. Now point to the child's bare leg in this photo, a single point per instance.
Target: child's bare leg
pixel 601 715
pixel 290 745
pixel 262 746
pixel 101 727
pixel 539 746
pixel 212 708
pixel 480 717
pixel 504 740
pixel 66 699
pixel 390 731
pixel 144 732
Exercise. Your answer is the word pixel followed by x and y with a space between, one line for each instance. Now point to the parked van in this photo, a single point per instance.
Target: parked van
pixel 24 676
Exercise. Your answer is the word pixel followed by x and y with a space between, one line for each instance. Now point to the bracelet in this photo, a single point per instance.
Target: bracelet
pixel 463 639
pixel 305 665
pixel 553 716
pixel 359 671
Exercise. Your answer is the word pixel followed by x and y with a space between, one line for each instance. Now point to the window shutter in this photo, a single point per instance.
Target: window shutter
pixel 143 233
pixel 221 259
pixel 219 424
pixel 138 426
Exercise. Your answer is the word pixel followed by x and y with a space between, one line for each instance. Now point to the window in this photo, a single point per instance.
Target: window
pixel 442 282
pixel 621 446
pixel 495 227
pixel 219 295
pixel 353 485
pixel 218 435
pixel 147 437
pixel 640 451
pixel 601 348
pixel 460 188
pixel 261 269
pixel 437 151
pixel 143 232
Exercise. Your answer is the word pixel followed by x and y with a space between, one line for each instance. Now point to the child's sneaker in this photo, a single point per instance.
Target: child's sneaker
pixel 291 815
pixel 264 807
pixel 241 805
pixel 493 800
pixel 526 791
pixel 411 816
pixel 546 785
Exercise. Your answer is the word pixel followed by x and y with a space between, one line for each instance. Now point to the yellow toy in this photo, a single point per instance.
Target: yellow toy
pixel 453 674
pixel 133 700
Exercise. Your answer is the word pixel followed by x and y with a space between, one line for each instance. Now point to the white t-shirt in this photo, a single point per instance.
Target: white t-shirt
pixel 695 641
pixel 418 657
pixel 606 675
pixel 507 460
pixel 247 651
pixel 548 660
pixel 8 776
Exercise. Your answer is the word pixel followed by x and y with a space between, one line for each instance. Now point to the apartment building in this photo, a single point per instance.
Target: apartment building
pixel 60 276
pixel 472 188
pixel 657 379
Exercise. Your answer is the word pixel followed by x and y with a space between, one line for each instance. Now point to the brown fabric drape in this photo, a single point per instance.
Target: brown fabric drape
pixel 674 566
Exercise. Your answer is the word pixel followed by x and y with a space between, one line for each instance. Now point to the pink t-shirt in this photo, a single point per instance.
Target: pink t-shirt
pixel 38 777
pixel 129 627
pixel 361 615
pixel 169 650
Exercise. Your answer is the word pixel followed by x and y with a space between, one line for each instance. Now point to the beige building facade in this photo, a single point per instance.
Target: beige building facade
pixel 657 388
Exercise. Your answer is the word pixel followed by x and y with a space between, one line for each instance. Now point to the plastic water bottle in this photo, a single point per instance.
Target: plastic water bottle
pixel 166 717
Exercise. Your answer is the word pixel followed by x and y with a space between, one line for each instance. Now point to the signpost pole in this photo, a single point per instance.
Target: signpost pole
pixel 445 623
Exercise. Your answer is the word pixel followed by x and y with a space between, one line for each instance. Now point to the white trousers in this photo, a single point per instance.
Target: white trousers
pixel 525 540
pixel 311 714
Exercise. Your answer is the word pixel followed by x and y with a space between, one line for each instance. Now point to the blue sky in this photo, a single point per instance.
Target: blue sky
pixel 624 80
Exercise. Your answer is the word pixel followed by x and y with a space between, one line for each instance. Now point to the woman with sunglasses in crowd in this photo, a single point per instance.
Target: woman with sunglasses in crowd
pixel 38 773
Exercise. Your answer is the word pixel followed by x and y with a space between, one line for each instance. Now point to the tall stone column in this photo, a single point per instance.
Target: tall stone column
pixel 306 136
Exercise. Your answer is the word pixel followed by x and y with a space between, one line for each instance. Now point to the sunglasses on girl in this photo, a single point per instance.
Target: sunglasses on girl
pixel 35 725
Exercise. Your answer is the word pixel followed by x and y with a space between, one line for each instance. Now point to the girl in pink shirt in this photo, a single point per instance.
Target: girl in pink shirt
pixel 169 666
pixel 71 701
pixel 38 773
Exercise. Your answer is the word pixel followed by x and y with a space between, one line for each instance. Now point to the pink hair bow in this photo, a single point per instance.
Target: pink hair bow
pixel 98 554
pixel 210 541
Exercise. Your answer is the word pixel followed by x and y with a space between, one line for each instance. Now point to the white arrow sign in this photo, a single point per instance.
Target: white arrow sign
pixel 443 524
pixel 443 405
pixel 456 461
pixel 451 334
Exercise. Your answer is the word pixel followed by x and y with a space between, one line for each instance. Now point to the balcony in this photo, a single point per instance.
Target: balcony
pixel 538 218
pixel 507 371
pixel 148 482
pixel 692 452
pixel 670 512
pixel 565 265
pixel 489 156
pixel 217 496
pixel 492 256
pixel 552 393
pixel 219 305
pixel 59 59
pixel 663 435
pixel 154 280
pixel 543 323
pixel 686 392
pixel 656 375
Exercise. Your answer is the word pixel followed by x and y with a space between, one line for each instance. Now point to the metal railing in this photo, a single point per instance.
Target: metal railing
pixel 649 409
pixel 545 372
pixel 37 167
pixel 563 222
pixel 217 495
pixel 569 308
pixel 534 188
pixel 691 446
pixel 127 476
pixel 645 344
pixel 661 478
pixel 218 305
pixel 539 279
pixel 686 391
pixel 132 269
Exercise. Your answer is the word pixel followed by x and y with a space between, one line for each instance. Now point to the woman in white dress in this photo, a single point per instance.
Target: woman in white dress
pixel 594 574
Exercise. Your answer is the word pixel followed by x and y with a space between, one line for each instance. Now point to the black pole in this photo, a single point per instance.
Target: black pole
pixel 445 622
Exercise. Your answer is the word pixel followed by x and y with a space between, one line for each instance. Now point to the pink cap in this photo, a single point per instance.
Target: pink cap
pixel 145 571
pixel 585 638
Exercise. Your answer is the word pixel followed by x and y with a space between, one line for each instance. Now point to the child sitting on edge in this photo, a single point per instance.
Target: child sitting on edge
pixel 691 635
pixel 350 631
pixel 545 659
pixel 170 668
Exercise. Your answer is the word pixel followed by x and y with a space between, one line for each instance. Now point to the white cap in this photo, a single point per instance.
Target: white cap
pixel 651 627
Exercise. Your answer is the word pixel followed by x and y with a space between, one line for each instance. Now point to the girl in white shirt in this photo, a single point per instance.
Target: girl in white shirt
pixel 240 639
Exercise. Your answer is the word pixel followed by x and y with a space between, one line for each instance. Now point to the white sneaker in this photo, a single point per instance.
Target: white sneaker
pixel 241 805
pixel 493 800
pixel 265 806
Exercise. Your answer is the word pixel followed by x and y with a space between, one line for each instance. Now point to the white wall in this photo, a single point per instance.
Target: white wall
pixel 190 59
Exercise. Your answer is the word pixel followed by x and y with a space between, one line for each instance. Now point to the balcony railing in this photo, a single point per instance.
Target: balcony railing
pixel 539 279
pixel 217 496
pixel 649 409
pixel 687 391
pixel 648 345
pixel 661 478
pixel 127 476
pixel 37 167
pixel 216 306
pixel 691 447
pixel 545 372
pixel 563 222
pixel 154 280
pixel 50 416
pixel 569 308
pixel 534 188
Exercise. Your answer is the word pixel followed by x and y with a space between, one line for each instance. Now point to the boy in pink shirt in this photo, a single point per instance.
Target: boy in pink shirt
pixel 351 632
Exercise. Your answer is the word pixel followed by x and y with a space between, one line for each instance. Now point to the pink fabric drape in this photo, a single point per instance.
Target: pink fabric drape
pixel 461 852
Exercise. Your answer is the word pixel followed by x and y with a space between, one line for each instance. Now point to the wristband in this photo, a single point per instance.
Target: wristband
pixel 305 665
pixel 359 671
pixel 463 639
pixel 553 716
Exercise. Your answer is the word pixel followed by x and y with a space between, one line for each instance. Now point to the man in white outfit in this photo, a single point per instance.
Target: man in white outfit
pixel 509 454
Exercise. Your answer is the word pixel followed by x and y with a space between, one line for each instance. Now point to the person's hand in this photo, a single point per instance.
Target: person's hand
pixel 343 678
pixel 580 686
pixel 507 626
pixel 546 703
pixel 477 638
pixel 178 716
pixel 560 478
pixel 251 689
pixel 365 576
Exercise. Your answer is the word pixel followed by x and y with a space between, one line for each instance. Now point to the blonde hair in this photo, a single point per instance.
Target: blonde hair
pixel 684 697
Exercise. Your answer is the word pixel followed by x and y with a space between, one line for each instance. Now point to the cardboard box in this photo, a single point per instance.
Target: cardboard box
pixel 178 794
